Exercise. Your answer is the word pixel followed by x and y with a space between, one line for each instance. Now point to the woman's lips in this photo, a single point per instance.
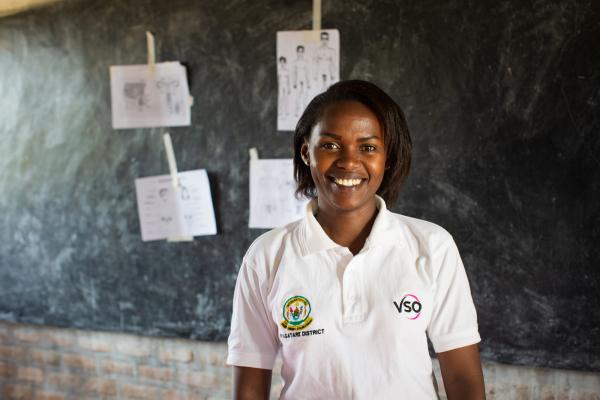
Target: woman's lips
pixel 347 182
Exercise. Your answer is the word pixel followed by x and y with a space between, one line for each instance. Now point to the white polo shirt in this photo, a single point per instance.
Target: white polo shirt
pixel 352 327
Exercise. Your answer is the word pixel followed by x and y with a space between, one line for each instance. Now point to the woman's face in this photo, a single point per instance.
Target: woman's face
pixel 346 156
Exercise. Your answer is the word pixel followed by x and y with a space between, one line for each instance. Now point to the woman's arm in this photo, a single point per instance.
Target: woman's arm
pixel 251 383
pixel 461 372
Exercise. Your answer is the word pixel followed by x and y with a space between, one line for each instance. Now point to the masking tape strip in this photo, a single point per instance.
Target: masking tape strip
pixel 151 52
pixel 253 154
pixel 180 239
pixel 171 159
pixel 175 181
pixel 151 48
pixel 316 15
pixel 310 36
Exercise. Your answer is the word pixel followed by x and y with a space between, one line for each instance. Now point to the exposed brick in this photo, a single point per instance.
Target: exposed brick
pixel 30 374
pixel 491 391
pixel 79 361
pixel 10 352
pixel 561 395
pixel 217 359
pixel 44 357
pixel 117 367
pixel 48 396
pixel 548 394
pixel 588 396
pixel 134 347
pixel 522 392
pixel 161 374
pixel 106 387
pixel 27 334
pixel 182 395
pixel 61 338
pixel 6 371
pixel 175 354
pixel 17 392
pixel 64 379
pixel 227 377
pixel 139 391
pixel 23 372
pixel 94 343
pixel 198 379
pixel 4 333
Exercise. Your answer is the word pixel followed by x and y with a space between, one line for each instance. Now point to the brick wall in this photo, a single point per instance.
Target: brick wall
pixel 38 362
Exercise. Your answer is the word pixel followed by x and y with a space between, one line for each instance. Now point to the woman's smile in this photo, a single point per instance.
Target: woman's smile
pixel 347 182
pixel 346 154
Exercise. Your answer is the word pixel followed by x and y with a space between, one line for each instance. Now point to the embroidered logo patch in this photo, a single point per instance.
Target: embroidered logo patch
pixel 410 306
pixel 296 313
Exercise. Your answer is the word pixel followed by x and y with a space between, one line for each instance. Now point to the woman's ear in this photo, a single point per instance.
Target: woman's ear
pixel 304 153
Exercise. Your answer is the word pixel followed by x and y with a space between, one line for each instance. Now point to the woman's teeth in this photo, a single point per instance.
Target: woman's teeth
pixel 347 182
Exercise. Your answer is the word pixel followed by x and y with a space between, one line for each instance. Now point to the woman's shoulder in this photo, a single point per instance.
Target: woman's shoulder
pixel 422 230
pixel 427 241
pixel 269 246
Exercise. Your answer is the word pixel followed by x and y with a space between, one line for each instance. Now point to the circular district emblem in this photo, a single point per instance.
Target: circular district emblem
pixel 296 313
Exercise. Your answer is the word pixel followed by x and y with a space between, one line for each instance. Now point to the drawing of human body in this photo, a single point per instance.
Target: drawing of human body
pixel 168 87
pixel 283 77
pixel 325 61
pixel 164 206
pixel 135 96
pixel 301 80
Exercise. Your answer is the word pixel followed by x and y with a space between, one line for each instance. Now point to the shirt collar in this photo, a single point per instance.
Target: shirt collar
pixel 382 232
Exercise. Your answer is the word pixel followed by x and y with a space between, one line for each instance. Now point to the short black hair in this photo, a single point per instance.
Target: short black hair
pixel 324 34
pixel 396 136
pixel 299 47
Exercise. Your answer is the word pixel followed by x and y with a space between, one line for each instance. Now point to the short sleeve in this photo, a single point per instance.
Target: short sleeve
pixel 253 338
pixel 453 322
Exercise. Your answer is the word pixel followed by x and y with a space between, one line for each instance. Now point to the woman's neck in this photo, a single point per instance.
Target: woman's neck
pixel 348 228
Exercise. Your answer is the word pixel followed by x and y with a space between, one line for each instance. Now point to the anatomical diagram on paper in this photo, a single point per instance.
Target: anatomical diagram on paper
pixel 145 96
pixel 167 210
pixel 308 62
pixel 272 194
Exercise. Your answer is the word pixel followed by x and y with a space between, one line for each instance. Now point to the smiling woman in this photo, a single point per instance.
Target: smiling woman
pixel 349 294
pixel 386 120
pixel 346 155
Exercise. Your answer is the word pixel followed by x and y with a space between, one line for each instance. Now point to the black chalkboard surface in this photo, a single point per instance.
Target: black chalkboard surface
pixel 502 98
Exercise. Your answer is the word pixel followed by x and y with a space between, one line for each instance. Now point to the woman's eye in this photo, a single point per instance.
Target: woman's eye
pixel 329 146
pixel 369 147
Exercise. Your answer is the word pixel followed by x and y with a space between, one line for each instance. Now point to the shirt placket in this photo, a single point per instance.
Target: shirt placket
pixel 353 298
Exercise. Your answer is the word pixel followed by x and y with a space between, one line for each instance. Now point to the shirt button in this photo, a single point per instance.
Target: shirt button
pixel 352 297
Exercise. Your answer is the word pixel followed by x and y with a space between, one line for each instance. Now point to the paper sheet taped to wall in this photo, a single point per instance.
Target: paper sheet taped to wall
pixel 145 96
pixel 166 211
pixel 308 62
pixel 272 194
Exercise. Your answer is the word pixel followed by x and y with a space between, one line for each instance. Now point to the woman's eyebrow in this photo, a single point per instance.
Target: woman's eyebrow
pixel 361 139
pixel 332 135
pixel 365 138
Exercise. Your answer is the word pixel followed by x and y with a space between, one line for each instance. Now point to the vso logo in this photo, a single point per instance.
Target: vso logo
pixel 409 306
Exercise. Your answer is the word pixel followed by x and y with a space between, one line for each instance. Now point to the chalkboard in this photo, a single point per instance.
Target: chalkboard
pixel 502 99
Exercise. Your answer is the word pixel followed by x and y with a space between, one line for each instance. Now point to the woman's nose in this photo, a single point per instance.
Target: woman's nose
pixel 348 159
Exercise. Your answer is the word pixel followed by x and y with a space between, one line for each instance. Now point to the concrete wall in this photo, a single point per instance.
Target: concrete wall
pixel 38 362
